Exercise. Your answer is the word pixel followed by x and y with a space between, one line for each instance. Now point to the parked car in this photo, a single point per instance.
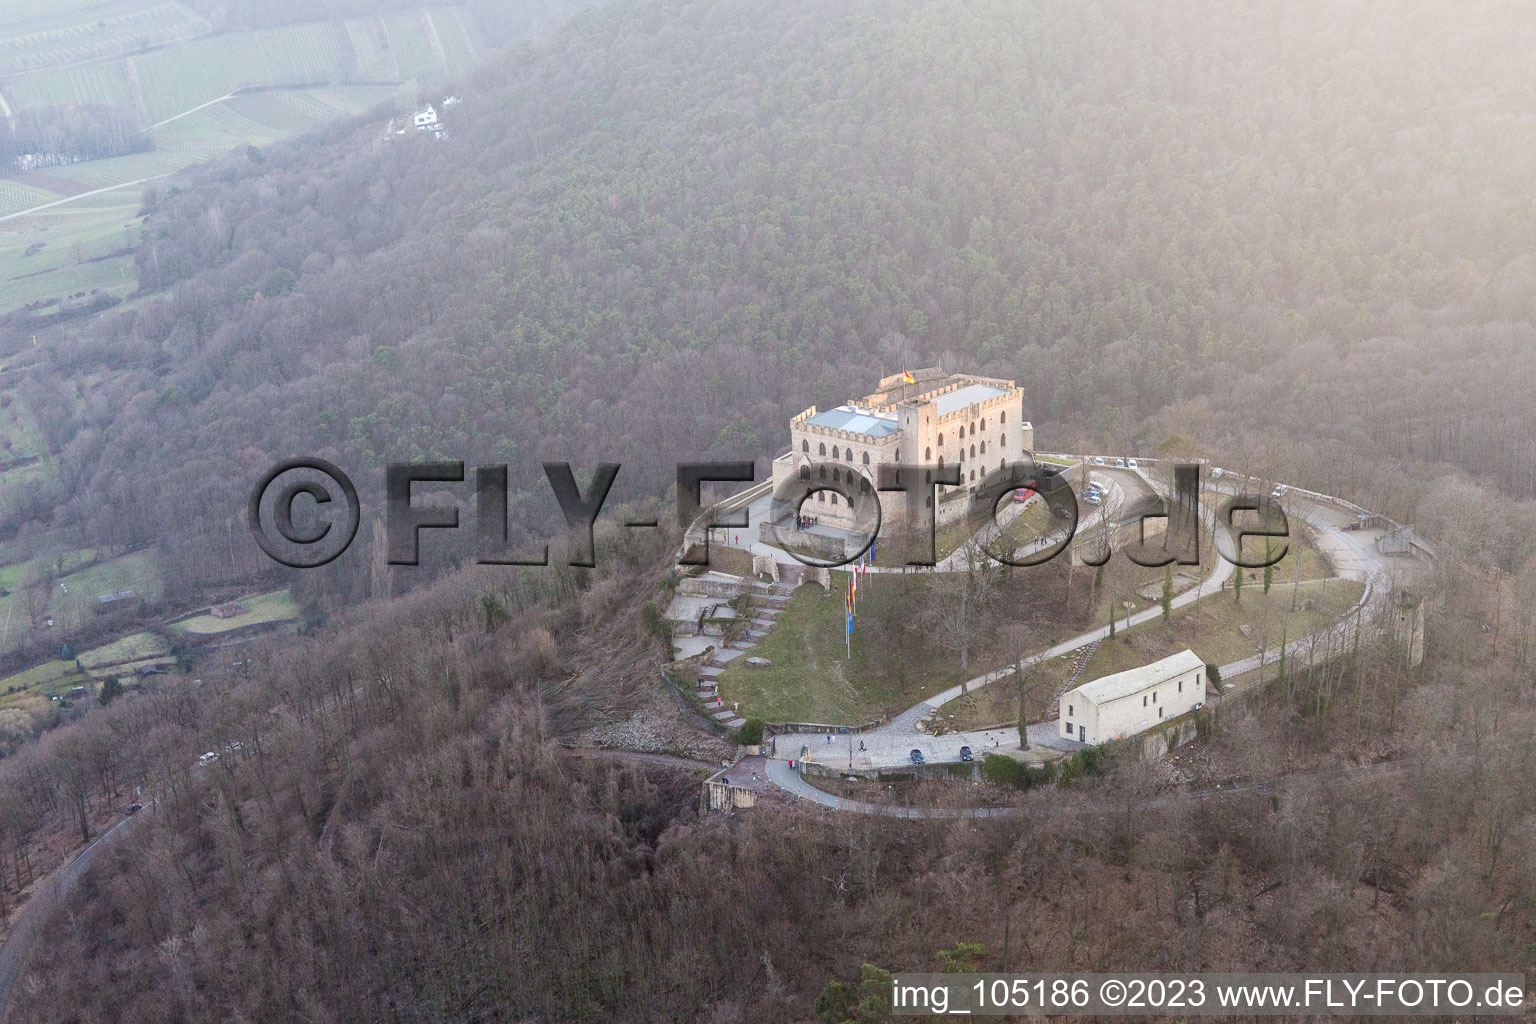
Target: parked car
pixel 1098 460
pixel 208 759
pixel 1023 494
pixel 1093 499
pixel 1120 463
pixel 1279 491
pixel 1216 472
pixel 132 809
pixel 1131 463
pixel 965 754
pixel 917 756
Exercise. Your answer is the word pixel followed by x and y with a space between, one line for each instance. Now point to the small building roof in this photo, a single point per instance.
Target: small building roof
pixel 1131 681
pixel 856 421
pixel 962 397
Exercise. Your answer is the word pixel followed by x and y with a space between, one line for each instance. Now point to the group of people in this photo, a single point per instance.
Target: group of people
pixel 805 522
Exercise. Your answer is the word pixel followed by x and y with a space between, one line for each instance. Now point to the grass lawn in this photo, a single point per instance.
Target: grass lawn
pixel 29 690
pixel 998 703
pixel 1210 627
pixel 131 649
pixel 76 598
pixel 271 607
pixel 812 680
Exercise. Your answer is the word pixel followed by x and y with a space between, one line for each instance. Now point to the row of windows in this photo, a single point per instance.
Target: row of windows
pixel 805 447
pixel 928 452
pixel 837 476
pixel 1154 697
pixel 1002 420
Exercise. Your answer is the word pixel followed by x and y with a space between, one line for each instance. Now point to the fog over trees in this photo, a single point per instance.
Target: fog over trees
pixel 1302 221
pixel 1295 238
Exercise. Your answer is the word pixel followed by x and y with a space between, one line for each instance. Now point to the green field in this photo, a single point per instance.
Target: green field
pixel 810 678
pixel 15 196
pixel 261 118
pixel 48 33
pixel 67 251
pixel 74 596
pixel 103 82
pixel 429 44
pixel 272 607
pixel 29 691
pixel 131 650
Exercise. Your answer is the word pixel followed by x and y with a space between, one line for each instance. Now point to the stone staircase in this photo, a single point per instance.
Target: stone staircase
pixel 1082 663
pixel 768 602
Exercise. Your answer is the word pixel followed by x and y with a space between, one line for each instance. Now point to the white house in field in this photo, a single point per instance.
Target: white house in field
pixel 1133 701
pixel 425 118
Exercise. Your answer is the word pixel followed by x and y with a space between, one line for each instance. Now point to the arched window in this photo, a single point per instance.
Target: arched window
pixel 821 495
pixel 983 423
pixel 805 472
pixel 973 451
pixel 941 440
pixel 983 447
pixel 973 476
pixel 837 476
pixel 821 472
pixel 973 429
pixel 805 446
pixel 1002 417
pixel 848 455
pixel 863 485
pixel 834 451
pixel 823 447
pixel 866 458
pixel 941 462
pixel 930 501
pixel 832 498
pixel 1003 441
pixel 928 477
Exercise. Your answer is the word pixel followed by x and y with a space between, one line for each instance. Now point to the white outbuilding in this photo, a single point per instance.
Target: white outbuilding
pixel 1133 701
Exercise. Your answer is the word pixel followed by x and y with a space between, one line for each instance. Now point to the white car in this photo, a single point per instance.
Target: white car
pixel 1098 460
pixel 1215 472
pixel 207 759
pixel 1120 463
pixel 1131 463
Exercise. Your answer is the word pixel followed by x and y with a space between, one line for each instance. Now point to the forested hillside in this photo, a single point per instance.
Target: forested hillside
pixel 679 223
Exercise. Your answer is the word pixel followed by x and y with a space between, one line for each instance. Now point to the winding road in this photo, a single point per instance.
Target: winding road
pixel 1352 554
pixel 45 896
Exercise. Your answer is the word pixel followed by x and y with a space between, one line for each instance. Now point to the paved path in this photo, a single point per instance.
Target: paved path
pixel 788 780
pixel 891 744
pixel 82 195
pixel 184 113
pixel 1352 554
pixel 46 895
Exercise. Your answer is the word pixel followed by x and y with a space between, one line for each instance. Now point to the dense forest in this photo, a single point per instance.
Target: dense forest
pixel 402 834
pixel 1293 237
pixel 1301 221
pixel 42 136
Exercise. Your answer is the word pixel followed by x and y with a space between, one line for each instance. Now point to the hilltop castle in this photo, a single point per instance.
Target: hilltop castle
pixel 921 417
